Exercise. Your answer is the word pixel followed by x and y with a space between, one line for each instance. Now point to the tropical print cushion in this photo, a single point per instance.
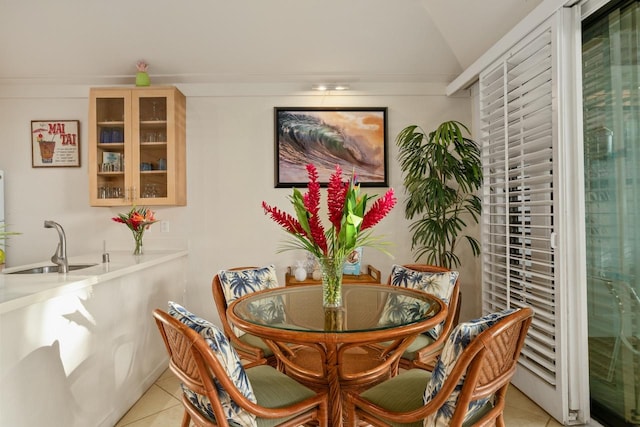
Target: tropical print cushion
pixel 438 284
pixel 459 339
pixel 238 283
pixel 229 359
pixel 402 309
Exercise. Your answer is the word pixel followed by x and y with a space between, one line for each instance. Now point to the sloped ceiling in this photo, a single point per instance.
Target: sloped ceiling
pixel 99 41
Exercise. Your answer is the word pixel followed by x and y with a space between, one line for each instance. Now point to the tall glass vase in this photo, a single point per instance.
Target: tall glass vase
pixel 331 282
pixel 137 236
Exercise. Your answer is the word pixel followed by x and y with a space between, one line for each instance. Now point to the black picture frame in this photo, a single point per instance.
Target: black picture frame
pixel 353 137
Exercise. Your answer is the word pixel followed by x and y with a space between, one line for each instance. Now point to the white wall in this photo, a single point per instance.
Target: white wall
pixel 230 172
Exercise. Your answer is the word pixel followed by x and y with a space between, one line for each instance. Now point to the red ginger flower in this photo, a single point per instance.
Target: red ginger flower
pixel 312 204
pixel 379 210
pixel 347 215
pixel 284 219
pixel 336 195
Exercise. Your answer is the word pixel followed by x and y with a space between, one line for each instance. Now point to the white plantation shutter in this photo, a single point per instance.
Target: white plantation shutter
pixel 519 209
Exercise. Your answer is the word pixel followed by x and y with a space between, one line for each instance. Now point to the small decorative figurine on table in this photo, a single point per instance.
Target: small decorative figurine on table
pixel 300 272
pixel 142 78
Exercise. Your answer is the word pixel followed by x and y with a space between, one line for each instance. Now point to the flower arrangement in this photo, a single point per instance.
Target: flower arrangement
pixel 142 66
pixel 138 220
pixel 350 224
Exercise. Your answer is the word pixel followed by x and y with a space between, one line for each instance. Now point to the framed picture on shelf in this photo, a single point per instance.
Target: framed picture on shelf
pixel 354 138
pixel 55 143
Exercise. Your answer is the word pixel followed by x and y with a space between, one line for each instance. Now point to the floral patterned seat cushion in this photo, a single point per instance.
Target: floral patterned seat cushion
pixel 462 335
pixel 238 283
pixel 438 284
pixel 229 359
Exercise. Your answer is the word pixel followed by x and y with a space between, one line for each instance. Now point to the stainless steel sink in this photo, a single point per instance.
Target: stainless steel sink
pixel 50 269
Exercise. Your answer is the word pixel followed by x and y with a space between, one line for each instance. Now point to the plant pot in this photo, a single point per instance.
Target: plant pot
pixel 142 79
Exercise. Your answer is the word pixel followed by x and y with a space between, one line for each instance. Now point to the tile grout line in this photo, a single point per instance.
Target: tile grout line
pixel 155 384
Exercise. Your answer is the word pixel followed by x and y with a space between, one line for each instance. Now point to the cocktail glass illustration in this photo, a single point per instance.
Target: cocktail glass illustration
pixel 46 149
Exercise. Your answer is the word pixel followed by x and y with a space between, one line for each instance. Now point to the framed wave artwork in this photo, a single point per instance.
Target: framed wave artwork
pixel 354 138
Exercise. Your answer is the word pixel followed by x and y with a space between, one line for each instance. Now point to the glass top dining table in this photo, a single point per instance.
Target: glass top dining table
pixel 366 308
pixel 320 346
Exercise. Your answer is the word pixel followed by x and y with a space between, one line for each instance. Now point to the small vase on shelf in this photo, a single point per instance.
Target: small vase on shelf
pixel 300 272
pixel 317 273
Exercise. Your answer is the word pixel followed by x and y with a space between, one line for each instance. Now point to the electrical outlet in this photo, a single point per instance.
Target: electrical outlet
pixel 164 226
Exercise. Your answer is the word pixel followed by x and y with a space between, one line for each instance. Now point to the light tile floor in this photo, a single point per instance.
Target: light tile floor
pixel 160 406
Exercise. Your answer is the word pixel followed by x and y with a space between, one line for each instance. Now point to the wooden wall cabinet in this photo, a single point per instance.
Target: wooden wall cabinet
pixel 137 146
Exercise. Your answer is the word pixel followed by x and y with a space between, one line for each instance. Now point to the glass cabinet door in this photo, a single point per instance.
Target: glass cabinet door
pixel 151 150
pixel 110 136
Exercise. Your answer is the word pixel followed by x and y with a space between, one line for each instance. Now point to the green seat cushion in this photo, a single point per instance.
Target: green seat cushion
pixel 412 383
pixel 258 342
pixel 401 393
pixel 273 389
pixel 421 341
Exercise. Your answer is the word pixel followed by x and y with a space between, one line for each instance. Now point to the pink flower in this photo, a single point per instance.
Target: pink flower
pixel 142 66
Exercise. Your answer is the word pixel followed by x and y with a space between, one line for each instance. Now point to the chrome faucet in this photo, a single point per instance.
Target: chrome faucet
pixel 60 256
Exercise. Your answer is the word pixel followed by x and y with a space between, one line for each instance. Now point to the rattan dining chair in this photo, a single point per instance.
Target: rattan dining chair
pixel 229 285
pixel 467 386
pixel 442 282
pixel 219 391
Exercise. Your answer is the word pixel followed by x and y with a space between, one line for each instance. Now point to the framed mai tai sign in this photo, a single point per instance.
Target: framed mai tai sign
pixel 354 138
pixel 55 143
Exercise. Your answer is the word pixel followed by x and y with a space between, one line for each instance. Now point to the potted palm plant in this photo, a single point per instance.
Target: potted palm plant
pixel 441 173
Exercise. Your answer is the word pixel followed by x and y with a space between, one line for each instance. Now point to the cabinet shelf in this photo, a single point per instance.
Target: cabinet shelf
pixel 111 173
pixel 111 123
pixel 110 145
pixel 153 122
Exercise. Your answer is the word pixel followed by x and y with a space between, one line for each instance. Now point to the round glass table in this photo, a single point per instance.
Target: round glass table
pixel 338 349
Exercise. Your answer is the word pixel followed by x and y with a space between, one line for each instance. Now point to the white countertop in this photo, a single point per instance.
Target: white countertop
pixel 19 290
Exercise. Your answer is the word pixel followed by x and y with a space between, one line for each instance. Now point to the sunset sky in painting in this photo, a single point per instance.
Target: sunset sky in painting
pixel 366 123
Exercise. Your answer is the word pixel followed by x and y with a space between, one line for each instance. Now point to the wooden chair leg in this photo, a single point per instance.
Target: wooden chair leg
pixel 186 419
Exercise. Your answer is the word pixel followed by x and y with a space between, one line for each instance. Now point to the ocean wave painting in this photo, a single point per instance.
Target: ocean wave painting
pixel 355 139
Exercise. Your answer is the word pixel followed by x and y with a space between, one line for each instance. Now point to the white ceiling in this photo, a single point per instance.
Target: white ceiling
pixel 99 41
